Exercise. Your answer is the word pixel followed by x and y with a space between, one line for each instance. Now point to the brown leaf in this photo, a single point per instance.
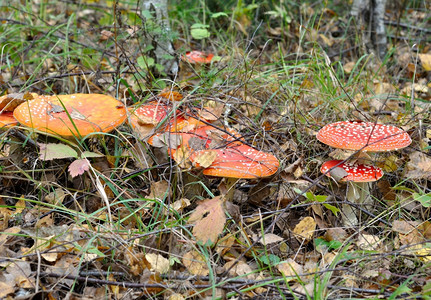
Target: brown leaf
pixel 241 269
pixel 209 219
pixel 304 230
pixel 159 190
pixel 290 268
pixel 419 166
pixel 211 113
pixel 11 101
pixel 78 167
pixel 195 263
pixel 167 139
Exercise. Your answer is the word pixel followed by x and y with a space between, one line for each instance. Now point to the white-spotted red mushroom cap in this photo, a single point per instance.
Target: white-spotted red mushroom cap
pixel 355 172
pixel 241 161
pixel 149 114
pixel 365 136
pixel 86 113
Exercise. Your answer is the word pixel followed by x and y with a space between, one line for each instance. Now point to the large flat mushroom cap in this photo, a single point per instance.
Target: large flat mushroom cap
pixel 354 172
pixel 365 136
pixel 241 162
pixel 86 113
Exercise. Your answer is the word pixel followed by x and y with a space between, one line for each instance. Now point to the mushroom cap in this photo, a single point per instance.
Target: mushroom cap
pixel 86 113
pixel 197 57
pixel 7 119
pixel 365 136
pixel 355 172
pixel 241 161
pixel 149 114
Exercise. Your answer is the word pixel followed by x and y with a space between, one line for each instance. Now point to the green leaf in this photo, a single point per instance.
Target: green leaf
pixel 270 259
pixel 199 31
pixel 425 200
pixel 332 208
pixel 145 62
pixel 219 14
pixel 335 244
pixel 56 151
pixel 320 198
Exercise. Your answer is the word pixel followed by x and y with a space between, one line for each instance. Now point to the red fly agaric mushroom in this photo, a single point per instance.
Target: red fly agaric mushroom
pixel 72 115
pixel 359 175
pixel 197 57
pixel 239 162
pixel 364 136
pixel 353 172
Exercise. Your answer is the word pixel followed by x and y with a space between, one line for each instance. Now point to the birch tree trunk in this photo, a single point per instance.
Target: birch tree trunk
pixel 159 37
pixel 370 16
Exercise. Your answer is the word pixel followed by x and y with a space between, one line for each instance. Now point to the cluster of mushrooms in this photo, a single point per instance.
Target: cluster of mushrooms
pixel 361 137
pixel 220 151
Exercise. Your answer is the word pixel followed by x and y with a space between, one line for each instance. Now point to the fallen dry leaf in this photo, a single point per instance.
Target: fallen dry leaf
pixel 209 219
pixel 11 101
pixel 5 289
pixel 182 157
pixel 211 113
pixel 426 61
pixel 158 263
pixel 270 238
pixel 291 269
pixel 304 230
pixel 78 167
pixel 159 190
pixel 419 166
pixel 348 67
pixel 368 242
pixel 204 158
pixel 241 269
pixel 195 263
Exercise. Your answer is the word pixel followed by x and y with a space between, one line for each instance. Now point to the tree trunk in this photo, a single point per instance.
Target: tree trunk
pixel 370 16
pixel 159 36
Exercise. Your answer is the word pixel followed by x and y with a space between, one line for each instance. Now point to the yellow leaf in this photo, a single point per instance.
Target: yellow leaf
pixel 204 158
pixel 426 61
pixel 182 157
pixel 304 230
pixel 209 219
pixel 158 263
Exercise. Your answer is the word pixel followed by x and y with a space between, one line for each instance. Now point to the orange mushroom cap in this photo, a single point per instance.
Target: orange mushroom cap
pixel 365 136
pixel 197 57
pixel 86 113
pixel 355 172
pixel 241 161
pixel 7 119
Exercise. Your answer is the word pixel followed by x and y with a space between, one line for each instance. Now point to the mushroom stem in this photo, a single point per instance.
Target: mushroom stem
pixel 358 193
pixel 229 188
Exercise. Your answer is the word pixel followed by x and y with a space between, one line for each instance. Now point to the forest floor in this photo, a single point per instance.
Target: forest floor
pixel 135 213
